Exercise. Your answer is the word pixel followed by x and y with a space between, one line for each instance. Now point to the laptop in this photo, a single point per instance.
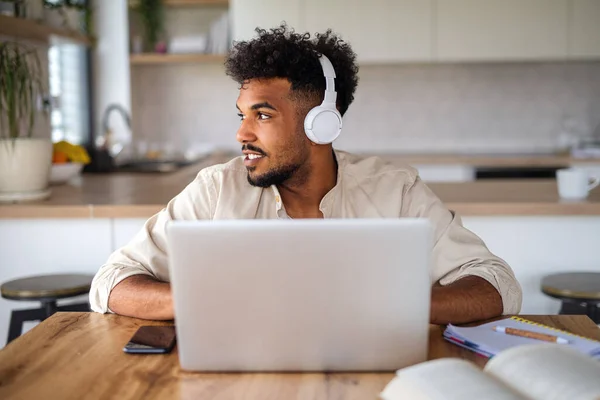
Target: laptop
pixel 301 295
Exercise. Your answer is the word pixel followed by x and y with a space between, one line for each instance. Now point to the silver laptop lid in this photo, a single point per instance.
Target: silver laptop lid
pixel 301 295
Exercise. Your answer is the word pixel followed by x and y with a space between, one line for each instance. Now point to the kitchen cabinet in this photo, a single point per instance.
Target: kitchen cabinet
pixel 445 172
pixel 379 31
pixel 396 31
pixel 247 15
pixel 536 246
pixel 45 246
pixel 495 30
pixel 49 246
pixel 124 229
pixel 584 29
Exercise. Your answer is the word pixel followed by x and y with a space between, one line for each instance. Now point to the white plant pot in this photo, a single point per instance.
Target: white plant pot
pixel 24 169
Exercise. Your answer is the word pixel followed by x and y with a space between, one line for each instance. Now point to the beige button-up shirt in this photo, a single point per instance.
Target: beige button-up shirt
pixel 365 188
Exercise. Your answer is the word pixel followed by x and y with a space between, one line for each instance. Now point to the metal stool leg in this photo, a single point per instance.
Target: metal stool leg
pixel 75 307
pixel 572 308
pixel 17 318
pixel 16 326
pixel 49 307
pixel 593 312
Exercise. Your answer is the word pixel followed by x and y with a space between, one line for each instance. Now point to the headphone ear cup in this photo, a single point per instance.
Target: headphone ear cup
pixel 323 125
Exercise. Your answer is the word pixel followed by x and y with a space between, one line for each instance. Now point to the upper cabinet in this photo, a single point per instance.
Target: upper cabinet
pixel 584 29
pixel 479 30
pixel 395 31
pixel 378 30
pixel 247 15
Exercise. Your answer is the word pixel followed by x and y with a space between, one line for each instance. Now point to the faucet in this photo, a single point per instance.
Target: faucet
pixel 115 107
pixel 106 140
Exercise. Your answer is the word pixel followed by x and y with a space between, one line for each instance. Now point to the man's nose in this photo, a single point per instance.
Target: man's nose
pixel 245 133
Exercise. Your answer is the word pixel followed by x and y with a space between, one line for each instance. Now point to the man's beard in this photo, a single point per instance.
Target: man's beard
pixel 276 176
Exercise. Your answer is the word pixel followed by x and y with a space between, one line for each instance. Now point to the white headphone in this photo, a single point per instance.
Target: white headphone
pixel 323 124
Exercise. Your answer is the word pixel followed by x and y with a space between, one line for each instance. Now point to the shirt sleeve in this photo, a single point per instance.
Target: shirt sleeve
pixel 457 251
pixel 146 253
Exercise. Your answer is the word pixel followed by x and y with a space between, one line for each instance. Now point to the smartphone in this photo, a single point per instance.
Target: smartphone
pixel 151 340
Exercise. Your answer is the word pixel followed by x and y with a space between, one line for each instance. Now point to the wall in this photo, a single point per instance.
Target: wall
pixel 398 108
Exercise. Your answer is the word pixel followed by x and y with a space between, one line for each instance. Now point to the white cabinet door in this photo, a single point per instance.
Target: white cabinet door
pixel 584 29
pixel 46 246
pixel 472 30
pixel 536 246
pixel 445 172
pixel 379 31
pixel 125 229
pixel 246 15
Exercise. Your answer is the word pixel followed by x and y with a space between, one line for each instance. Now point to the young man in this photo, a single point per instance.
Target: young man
pixel 284 174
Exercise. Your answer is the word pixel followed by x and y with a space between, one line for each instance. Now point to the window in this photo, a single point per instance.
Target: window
pixel 69 89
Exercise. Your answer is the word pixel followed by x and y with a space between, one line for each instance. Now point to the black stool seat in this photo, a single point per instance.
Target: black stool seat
pixel 46 289
pixel 578 291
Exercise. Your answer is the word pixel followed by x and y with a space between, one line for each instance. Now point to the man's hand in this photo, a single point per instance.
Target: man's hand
pixel 469 299
pixel 142 296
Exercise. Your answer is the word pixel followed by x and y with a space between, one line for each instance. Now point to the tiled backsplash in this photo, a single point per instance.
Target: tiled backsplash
pixel 516 107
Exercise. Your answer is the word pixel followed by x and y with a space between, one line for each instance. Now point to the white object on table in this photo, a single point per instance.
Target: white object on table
pixel 575 183
pixel 61 173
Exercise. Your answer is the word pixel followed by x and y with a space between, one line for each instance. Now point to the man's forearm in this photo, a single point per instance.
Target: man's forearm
pixel 469 299
pixel 142 296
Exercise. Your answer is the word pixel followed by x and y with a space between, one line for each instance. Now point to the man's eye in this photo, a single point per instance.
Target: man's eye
pixel 241 117
pixel 263 116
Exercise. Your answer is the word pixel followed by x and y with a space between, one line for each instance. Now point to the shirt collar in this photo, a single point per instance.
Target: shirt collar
pixel 278 202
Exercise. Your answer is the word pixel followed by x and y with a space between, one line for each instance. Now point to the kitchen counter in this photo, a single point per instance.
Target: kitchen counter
pixel 124 195
pixel 490 160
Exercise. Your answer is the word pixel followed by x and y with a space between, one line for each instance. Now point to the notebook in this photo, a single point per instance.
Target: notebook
pixel 531 372
pixel 486 342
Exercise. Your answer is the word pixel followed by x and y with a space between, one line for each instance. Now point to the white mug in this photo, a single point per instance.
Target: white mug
pixel 574 183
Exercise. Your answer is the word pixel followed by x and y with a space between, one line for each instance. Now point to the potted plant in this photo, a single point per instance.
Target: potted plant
pixel 24 161
pixel 151 13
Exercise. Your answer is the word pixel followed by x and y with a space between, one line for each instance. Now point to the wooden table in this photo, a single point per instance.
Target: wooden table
pixel 79 355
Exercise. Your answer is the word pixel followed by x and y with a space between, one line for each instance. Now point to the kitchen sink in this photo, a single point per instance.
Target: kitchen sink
pixel 160 166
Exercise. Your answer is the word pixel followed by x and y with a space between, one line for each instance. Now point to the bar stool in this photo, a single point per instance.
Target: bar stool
pixel 578 291
pixel 46 289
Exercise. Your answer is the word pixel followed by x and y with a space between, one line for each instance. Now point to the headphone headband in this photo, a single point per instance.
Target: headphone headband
pixel 329 73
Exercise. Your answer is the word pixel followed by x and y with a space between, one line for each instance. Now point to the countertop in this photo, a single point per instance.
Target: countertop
pixel 127 195
pixel 490 160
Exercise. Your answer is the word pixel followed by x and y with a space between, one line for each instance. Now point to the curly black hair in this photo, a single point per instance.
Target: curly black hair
pixel 282 53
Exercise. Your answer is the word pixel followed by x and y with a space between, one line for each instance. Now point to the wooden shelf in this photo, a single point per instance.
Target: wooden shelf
pixel 182 3
pixel 157 58
pixel 30 30
pixel 188 3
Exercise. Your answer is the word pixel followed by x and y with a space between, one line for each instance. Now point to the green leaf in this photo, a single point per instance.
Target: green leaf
pixel 21 82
